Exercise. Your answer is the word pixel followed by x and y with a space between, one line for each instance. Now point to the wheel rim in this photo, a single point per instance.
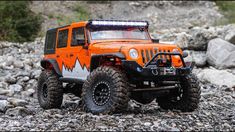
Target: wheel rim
pixel 101 93
pixel 181 92
pixel 44 91
pixel 178 95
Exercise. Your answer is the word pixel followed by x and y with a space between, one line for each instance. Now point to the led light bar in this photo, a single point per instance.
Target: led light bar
pixel 118 23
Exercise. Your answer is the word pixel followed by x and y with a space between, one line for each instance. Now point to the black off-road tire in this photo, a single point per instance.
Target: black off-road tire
pixel 116 95
pixel 189 100
pixel 49 90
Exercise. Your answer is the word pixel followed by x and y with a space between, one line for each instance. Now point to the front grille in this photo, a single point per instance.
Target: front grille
pixel 147 54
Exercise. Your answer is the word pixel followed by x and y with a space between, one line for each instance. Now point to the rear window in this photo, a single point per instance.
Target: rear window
pixel 50 42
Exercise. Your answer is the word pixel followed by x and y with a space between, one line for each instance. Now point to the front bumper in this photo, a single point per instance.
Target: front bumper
pixel 153 72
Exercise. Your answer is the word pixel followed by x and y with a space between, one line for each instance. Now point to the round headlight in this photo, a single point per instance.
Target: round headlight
pixel 176 51
pixel 133 54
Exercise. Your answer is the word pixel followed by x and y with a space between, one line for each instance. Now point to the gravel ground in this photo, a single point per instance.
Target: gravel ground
pixel 216 112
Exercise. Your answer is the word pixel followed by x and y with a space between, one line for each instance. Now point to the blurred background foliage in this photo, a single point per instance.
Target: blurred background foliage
pixel 80 13
pixel 18 23
pixel 227 8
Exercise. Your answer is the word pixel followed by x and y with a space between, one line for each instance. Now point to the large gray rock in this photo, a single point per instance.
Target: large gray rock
pixel 230 37
pixel 227 32
pixel 221 54
pixel 200 38
pixel 218 77
pixel 182 40
pixel 196 38
pixel 199 57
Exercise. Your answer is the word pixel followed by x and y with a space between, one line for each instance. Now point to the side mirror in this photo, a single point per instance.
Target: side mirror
pixel 155 40
pixel 80 42
pixel 85 46
pixel 185 54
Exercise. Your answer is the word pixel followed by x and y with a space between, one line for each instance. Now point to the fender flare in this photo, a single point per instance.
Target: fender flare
pixel 53 62
pixel 95 59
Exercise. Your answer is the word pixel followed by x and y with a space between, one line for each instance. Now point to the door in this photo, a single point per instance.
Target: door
pixel 62 48
pixel 78 55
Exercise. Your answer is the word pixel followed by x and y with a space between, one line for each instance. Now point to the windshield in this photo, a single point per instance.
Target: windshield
pixel 131 33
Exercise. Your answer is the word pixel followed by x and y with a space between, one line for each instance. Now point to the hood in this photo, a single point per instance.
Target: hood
pixel 123 46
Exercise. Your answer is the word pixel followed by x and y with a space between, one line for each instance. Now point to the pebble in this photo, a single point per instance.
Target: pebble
pixel 3 105
pixel 147 123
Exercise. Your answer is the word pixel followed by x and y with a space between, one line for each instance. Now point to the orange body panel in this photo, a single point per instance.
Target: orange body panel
pixel 124 47
pixel 67 56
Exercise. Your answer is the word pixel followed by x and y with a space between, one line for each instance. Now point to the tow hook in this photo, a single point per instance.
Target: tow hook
pixel 154 72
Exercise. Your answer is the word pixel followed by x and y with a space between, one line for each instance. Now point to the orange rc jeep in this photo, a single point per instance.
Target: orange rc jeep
pixel 108 62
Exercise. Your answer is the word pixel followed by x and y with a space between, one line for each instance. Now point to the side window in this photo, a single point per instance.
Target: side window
pixel 63 37
pixel 78 37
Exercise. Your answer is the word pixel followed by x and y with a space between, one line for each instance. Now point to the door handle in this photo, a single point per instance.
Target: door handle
pixel 57 56
pixel 71 55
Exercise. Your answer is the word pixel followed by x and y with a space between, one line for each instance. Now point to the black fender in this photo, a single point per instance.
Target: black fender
pixel 96 58
pixel 53 62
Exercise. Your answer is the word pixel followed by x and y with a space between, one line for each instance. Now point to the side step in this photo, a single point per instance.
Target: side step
pixel 71 80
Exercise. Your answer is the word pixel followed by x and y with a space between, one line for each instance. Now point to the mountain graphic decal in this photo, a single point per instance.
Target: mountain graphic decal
pixel 76 72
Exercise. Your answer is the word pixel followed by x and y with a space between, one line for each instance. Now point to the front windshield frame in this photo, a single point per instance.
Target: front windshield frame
pixel 147 35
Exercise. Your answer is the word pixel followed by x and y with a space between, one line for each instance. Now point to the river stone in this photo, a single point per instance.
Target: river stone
pixel 10 80
pixel 15 88
pixel 18 111
pixel 230 37
pixel 3 105
pixel 18 64
pixel 199 57
pixel 28 93
pixel 200 38
pixel 218 77
pixel 3 85
pixel 17 102
pixel 4 91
